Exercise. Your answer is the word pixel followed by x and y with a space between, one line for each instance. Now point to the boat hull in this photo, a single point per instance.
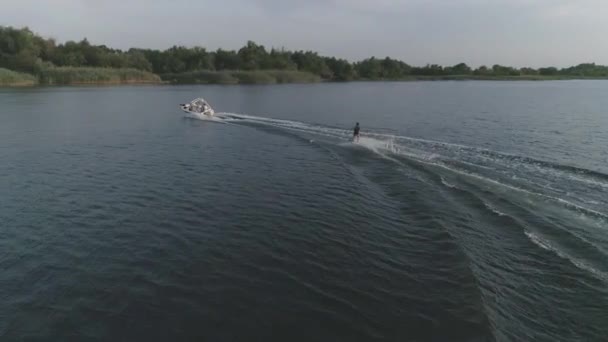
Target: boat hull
pixel 208 112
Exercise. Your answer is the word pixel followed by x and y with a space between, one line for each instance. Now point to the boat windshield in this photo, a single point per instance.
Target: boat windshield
pixel 199 105
pixel 199 102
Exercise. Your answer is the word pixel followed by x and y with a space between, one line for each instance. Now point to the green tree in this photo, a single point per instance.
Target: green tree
pixel 528 71
pixel 23 50
pixel 226 60
pixel 482 70
pixel 252 56
pixel 461 69
pixel 550 71
pixel 586 70
pixel 393 69
pixel 311 62
pixel 278 60
pixel 429 70
pixel 370 68
pixel 341 69
pixel 137 60
pixel 500 70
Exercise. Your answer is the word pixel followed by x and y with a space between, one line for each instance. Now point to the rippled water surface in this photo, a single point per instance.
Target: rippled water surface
pixel 468 211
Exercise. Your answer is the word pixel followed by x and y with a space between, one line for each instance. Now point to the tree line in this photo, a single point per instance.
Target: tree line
pixel 23 50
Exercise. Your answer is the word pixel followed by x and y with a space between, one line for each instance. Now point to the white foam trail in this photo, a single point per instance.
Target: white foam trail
pixel 382 144
pixel 556 173
pixel 476 165
pixel 376 146
pixel 591 182
pixel 545 244
pixel 538 241
pixel 501 158
pixel 446 183
pixel 493 156
pixel 205 117
pixel 493 209
pixel 566 203
pixel 291 125
pixel 379 146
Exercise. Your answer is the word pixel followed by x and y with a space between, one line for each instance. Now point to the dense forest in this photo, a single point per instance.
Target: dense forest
pixel 23 52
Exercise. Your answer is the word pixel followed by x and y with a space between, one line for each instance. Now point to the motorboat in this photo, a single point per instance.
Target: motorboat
pixel 198 106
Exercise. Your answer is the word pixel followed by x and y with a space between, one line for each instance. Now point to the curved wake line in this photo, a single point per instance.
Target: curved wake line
pixel 378 146
pixel 545 244
pixel 202 117
pixel 448 184
pixel 572 170
pixel 384 145
pixel 493 209
pixel 566 203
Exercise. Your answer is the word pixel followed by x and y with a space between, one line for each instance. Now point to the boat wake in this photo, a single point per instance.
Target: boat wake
pixel 514 173
pixel 579 263
pixel 203 117
pixel 574 195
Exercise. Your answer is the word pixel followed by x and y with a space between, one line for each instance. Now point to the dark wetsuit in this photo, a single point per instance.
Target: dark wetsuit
pixel 356 131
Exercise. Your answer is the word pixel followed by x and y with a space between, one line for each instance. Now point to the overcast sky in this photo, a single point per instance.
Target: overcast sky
pixel 512 32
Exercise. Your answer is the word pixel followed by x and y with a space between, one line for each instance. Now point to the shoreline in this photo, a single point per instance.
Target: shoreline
pixel 32 84
pixel 271 77
pixel 38 61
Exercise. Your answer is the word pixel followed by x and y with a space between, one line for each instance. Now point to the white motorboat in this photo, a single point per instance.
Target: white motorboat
pixel 198 106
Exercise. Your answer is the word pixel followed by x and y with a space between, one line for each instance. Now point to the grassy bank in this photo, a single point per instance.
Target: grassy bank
pixel 285 76
pixel 77 76
pixel 87 75
pixel 490 78
pixel 483 78
pixel 116 76
pixel 9 78
pixel 241 77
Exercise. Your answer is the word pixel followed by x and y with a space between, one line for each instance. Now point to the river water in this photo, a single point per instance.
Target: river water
pixel 468 211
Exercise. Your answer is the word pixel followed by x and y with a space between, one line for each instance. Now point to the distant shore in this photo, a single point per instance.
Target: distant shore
pixel 77 76
pixel 40 61
pixel 62 76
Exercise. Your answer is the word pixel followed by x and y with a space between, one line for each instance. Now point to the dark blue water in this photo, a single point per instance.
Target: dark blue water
pixel 469 211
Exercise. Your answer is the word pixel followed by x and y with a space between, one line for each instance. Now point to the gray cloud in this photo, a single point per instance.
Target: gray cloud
pixel 514 32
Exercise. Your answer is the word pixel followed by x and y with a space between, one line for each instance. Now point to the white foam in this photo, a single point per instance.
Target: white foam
pixel 493 209
pixel 379 147
pixel 547 245
pixel 538 241
pixel 588 181
pixel 550 171
pixel 205 117
pixel 373 144
pixel 565 202
pixel 494 156
pixel 446 183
